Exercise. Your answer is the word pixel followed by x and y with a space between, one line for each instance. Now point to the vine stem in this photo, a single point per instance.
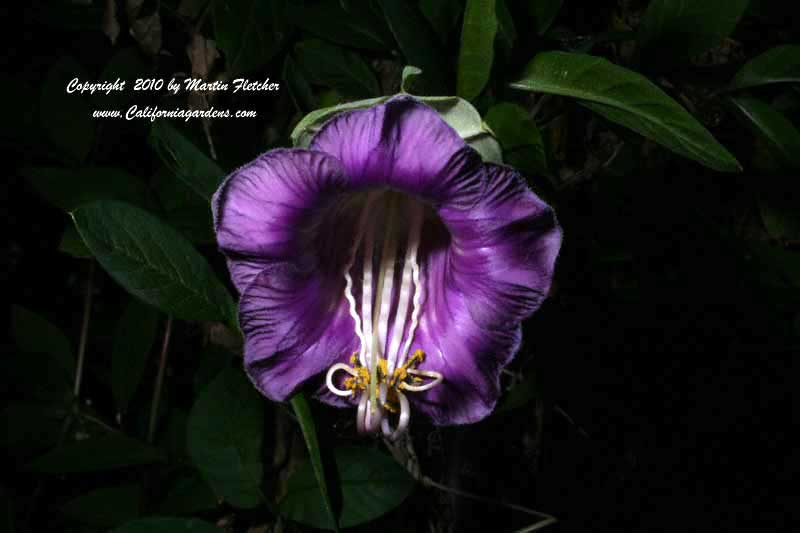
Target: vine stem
pixel 545 521
pixel 74 412
pixel 87 311
pixel 162 365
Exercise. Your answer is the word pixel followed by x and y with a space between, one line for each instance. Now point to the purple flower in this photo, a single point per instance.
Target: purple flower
pixel 389 262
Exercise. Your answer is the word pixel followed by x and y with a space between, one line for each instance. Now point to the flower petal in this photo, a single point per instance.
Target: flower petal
pixel 261 209
pixel 296 325
pixel 496 272
pixel 406 145
pixel 286 223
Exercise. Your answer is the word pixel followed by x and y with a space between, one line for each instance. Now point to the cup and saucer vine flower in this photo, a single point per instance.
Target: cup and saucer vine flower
pixel 386 263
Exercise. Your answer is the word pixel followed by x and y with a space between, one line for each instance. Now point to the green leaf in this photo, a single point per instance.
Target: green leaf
pixel 372 485
pixel 111 451
pixel 775 266
pixel 570 41
pixel 457 112
pixel 511 126
pixel 777 65
pixel 153 261
pixel 167 525
pixel 329 98
pixel 134 337
pixel 68 189
pixel 627 98
pixel 443 16
pixel 72 244
pixel 195 224
pixel 173 437
pixel 787 101
pixel 477 48
pixel 33 334
pixel 332 66
pixel 465 119
pixel 772 126
pixel 310 124
pixel 225 435
pixel 329 21
pixel 679 29
pixel 523 393
pixel 249 32
pixel 106 507
pixel 31 428
pixel 66 117
pixel 544 13
pixel 514 130
pixel 506 30
pixel 418 42
pixel 183 208
pixel 185 160
pixel 189 495
pixel 299 89
pixel 316 470
pixel 409 78
pixel 38 377
pixel 213 359
pixel 780 216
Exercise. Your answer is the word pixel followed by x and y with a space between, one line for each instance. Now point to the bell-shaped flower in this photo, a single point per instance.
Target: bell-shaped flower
pixel 389 263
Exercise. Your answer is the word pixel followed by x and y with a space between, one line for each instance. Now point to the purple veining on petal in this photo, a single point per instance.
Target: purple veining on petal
pixel 497 272
pixel 458 253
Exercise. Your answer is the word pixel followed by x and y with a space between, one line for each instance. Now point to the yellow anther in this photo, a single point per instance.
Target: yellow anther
pixel 401 372
pixel 391 403
pixel 417 358
pixel 397 381
pixel 359 382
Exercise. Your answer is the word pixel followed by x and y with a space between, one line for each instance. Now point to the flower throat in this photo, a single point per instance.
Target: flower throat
pixel 381 370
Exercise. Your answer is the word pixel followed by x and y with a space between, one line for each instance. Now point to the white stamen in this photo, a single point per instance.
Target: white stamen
pixel 405 415
pixel 348 288
pixel 405 288
pixel 403 418
pixel 362 407
pixel 366 297
pixel 435 376
pixel 373 414
pixel 385 427
pixel 372 320
pixel 387 273
pixel 383 302
pixel 329 379
pixel 402 421
pixel 415 313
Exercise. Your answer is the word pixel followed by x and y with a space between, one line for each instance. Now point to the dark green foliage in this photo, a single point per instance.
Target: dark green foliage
pixel 372 484
pixel 663 132
pixel 153 261
pixel 225 435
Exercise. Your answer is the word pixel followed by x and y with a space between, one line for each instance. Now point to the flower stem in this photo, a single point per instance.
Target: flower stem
pixel 87 311
pixel 162 364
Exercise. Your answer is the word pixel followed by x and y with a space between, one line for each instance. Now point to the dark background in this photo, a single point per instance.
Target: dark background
pixel 660 374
